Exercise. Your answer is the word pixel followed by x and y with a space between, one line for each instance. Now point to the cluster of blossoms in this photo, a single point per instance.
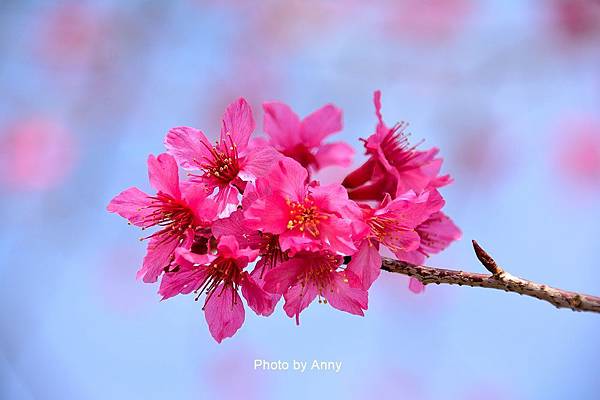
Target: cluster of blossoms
pixel 251 221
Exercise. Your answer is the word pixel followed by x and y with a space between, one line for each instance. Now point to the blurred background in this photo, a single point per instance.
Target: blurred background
pixel 509 91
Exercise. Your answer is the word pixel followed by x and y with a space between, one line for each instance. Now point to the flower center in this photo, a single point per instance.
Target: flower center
pixel 387 231
pixel 223 165
pixel 270 252
pixel 221 270
pixel 320 273
pixel 305 216
pixel 174 218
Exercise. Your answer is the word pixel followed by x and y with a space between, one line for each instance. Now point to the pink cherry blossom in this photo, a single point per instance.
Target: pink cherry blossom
pixel 435 234
pixel 228 164
pixel 302 140
pixel 222 277
pixel 270 254
pixel 181 211
pixel 306 217
pixel 392 224
pixel 394 166
pixel 316 274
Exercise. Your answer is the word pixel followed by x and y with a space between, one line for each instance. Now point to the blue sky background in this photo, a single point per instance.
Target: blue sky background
pixel 493 84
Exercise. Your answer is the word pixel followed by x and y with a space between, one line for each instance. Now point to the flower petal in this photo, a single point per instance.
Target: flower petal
pixel 282 125
pixel 346 293
pixel 320 124
pixel 415 286
pixel 289 178
pixel 280 278
pixel 261 302
pixel 224 313
pixel 196 197
pixel 160 254
pixel 164 175
pixel 366 264
pixel 258 162
pixel 131 204
pixel 238 123
pixel 184 281
pixel 334 154
pixel 189 146
pixel 297 298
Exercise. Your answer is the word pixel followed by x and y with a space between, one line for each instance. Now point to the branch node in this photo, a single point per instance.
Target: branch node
pixel 488 262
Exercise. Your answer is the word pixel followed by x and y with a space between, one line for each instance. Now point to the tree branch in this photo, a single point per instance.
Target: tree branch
pixel 499 279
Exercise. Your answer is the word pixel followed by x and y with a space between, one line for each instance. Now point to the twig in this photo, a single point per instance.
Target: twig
pixel 499 279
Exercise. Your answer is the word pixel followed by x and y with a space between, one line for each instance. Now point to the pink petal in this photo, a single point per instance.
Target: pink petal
pixel 338 233
pixel 131 204
pixel 228 247
pixel 320 124
pixel 184 281
pixel 160 254
pixel 279 279
pixel 196 197
pixel 334 154
pixel 297 298
pixel 227 200
pixel 187 259
pixel 366 264
pixel 238 123
pixel 189 146
pixel 415 286
pixel 294 241
pixel 377 103
pixel 346 293
pixel 269 214
pixel 258 162
pixel 164 175
pixel 441 231
pixel 224 313
pixel 235 225
pixel 289 178
pixel 405 240
pixel 282 125
pixel 413 257
pixel 261 302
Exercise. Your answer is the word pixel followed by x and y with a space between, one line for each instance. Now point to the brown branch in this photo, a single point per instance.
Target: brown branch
pixel 499 279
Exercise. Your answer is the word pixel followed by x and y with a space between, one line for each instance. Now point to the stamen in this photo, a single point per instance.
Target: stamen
pixel 305 216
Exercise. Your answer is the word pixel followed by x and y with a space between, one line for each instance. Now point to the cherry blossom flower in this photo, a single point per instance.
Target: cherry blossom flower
pixel 221 276
pixel 435 234
pixel 306 217
pixel 394 166
pixel 181 210
pixel 228 164
pixel 392 224
pixel 316 274
pixel 302 140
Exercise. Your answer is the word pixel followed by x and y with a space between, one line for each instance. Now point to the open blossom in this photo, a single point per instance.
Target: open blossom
pixel 180 210
pixel 394 166
pixel 392 224
pixel 221 277
pixel 435 234
pixel 302 140
pixel 316 274
pixel 306 217
pixel 228 164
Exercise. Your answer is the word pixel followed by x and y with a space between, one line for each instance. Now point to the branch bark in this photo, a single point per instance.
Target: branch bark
pixel 498 279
